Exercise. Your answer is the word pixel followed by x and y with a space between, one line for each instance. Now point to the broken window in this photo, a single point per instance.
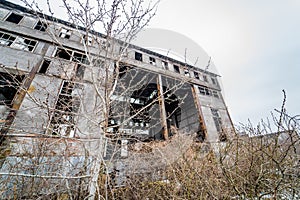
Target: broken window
pixel 80 71
pixel 196 74
pixel 14 18
pixel 123 69
pixel 164 64
pixel 9 84
pixel 186 72
pixel 63 53
pixel 138 56
pixel 6 39
pixel 41 26
pixel 68 54
pixel 204 91
pixel 217 119
pixel 139 101
pixel 44 66
pixel 176 69
pixel 152 61
pixel 81 58
pixel 17 42
pixel 65 33
pixel 66 109
pixel 24 44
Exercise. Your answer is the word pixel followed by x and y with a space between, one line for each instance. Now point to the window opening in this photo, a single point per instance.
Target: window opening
pixel 81 58
pixel 80 71
pixel 214 81
pixel 217 119
pixel 164 64
pixel 88 40
pixel 215 94
pixel 205 78
pixel 41 26
pixel 14 18
pixel 176 69
pixel 9 84
pixel 63 53
pixel 123 69
pixel 205 91
pixel 65 33
pixel 141 104
pixel 152 61
pixel 66 109
pixel 202 90
pixel 44 66
pixel 138 56
pixel 6 39
pixel 186 72
pixel 196 74
pixel 17 42
pixel 24 44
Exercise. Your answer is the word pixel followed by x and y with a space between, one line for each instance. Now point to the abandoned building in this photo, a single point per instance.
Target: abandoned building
pixel 55 79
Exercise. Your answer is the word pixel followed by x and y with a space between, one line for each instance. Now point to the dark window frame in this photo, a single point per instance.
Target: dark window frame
pixel 138 56
pixel 44 67
pixel 41 26
pixel 66 109
pixel 63 53
pixel 17 42
pixel 7 39
pixel 205 90
pixel 152 60
pixel 176 69
pixel 196 75
pixel 187 72
pixel 9 86
pixel 165 64
pixel 14 18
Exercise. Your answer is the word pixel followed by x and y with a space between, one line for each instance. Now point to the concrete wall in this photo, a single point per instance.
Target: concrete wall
pixel 90 112
pixel 37 107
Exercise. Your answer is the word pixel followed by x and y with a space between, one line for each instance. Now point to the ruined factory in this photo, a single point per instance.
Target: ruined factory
pixel 70 95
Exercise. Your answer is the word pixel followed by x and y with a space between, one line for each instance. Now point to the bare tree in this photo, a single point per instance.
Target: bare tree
pixel 89 100
pixel 264 166
pixel 101 59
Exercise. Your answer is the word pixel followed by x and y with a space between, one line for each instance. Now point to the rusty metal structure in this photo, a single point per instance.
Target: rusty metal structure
pixel 48 97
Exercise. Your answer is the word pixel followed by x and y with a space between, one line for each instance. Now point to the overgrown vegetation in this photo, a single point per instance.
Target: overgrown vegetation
pixel 258 164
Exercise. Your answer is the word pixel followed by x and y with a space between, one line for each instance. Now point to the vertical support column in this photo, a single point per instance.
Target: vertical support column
pixel 200 113
pixel 162 107
pixel 20 95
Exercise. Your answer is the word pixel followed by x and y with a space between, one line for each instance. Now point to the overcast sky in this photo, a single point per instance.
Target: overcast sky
pixel 255 45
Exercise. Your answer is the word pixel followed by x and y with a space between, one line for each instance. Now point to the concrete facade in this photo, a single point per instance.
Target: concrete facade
pixel 154 93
